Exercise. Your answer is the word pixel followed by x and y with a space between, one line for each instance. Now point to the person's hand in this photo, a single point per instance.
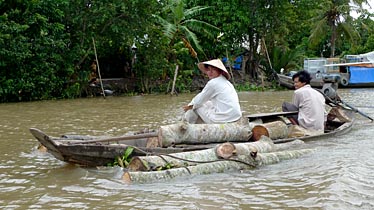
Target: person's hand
pixel 186 108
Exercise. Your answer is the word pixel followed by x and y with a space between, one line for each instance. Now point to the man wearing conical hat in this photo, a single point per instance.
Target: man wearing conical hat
pixel 218 102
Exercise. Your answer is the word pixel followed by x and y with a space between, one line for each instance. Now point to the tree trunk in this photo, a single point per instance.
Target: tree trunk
pixel 273 130
pixel 333 39
pixel 244 66
pixel 240 163
pixel 180 133
pixel 289 145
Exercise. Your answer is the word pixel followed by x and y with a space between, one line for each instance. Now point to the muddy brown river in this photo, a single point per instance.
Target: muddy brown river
pixel 338 175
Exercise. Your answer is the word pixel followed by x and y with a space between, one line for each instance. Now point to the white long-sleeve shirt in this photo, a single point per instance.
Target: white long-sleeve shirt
pixel 311 106
pixel 218 102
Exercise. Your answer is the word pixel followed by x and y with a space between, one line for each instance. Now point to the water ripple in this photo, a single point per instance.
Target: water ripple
pixel 339 175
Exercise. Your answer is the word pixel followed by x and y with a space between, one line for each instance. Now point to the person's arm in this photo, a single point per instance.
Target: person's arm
pixel 296 99
pixel 204 96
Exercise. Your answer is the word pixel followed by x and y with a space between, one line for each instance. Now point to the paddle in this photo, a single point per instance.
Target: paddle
pixel 356 110
pixel 337 102
pixel 119 138
pixel 271 114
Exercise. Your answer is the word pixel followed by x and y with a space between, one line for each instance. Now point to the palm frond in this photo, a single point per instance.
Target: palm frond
pixel 318 30
pixel 178 11
pixel 195 11
pixel 191 37
pixel 349 32
pixel 169 29
pixel 202 27
pixel 179 22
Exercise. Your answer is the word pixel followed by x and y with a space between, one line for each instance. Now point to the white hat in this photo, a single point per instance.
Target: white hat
pixel 216 63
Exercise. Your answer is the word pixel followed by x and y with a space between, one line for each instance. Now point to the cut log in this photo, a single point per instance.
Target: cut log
pixel 289 145
pixel 184 133
pixel 152 142
pixel 273 130
pixel 225 150
pixel 42 148
pixel 276 157
pixel 137 164
pixel 242 162
pixel 147 163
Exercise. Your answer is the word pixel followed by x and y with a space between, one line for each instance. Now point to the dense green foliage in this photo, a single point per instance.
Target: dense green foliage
pixel 33 45
pixel 46 46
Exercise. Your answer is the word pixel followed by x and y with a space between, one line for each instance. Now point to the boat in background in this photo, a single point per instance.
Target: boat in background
pixel 353 71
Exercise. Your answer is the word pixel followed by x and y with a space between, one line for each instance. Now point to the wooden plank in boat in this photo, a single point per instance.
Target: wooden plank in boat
pixel 271 114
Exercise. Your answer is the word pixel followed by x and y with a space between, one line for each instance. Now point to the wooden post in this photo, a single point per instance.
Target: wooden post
pixel 267 54
pixel 175 78
pixel 98 68
pixel 229 63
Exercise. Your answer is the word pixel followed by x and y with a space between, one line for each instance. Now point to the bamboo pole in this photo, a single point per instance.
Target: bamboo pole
pixel 98 68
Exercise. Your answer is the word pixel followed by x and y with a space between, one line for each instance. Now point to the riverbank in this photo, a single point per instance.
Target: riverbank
pixel 130 86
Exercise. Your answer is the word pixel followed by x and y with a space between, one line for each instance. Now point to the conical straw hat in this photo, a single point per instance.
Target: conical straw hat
pixel 216 63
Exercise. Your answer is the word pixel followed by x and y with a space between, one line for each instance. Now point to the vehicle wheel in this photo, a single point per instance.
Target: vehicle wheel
pixel 344 81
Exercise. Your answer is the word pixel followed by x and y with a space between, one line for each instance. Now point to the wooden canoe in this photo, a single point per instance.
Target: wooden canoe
pixel 99 151
pixel 71 149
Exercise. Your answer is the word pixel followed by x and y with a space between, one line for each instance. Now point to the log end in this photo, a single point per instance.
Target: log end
pixel 259 131
pixel 225 150
pixel 153 142
pixel 136 164
pixel 126 177
pixel 159 137
pixel 42 148
pixel 166 135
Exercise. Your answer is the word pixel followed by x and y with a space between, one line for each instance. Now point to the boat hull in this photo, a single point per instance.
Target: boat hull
pixel 286 81
pixel 100 153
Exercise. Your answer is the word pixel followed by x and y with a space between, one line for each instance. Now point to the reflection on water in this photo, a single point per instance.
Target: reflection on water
pixel 339 175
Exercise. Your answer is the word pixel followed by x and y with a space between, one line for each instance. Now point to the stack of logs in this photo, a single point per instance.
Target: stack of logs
pixel 224 157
